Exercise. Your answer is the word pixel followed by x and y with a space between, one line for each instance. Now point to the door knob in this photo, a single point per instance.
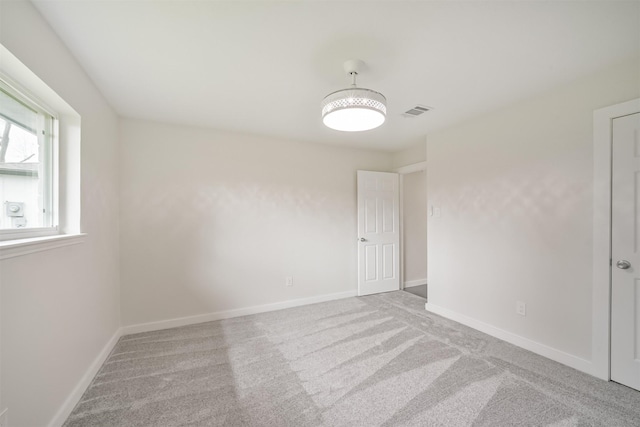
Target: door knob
pixel 362 239
pixel 623 264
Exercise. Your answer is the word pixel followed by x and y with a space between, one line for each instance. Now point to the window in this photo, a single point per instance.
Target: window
pixel 27 170
pixel 40 180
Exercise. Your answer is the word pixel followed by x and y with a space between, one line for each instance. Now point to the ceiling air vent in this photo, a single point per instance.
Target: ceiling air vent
pixel 416 111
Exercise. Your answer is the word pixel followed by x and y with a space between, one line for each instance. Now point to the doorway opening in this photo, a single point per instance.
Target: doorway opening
pixel 413 203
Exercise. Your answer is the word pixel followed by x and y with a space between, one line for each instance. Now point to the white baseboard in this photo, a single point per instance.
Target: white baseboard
pixel 73 399
pixel 219 315
pixel 412 283
pixel 533 346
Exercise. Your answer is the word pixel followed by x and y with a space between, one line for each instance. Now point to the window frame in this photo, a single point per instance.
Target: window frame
pixel 48 142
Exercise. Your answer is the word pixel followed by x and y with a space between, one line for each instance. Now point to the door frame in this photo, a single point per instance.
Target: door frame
pixel 601 294
pixel 401 171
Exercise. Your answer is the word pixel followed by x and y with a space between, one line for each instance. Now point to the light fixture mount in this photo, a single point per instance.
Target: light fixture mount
pixel 354 109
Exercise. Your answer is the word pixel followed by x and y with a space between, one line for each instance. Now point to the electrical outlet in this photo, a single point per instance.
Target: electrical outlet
pixel 288 281
pixel 4 418
pixel 521 308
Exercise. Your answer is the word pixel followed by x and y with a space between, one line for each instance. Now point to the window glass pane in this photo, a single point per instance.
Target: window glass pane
pixel 23 147
pixel 24 172
pixel 17 112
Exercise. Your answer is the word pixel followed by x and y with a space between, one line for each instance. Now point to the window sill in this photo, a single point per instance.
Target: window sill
pixel 16 248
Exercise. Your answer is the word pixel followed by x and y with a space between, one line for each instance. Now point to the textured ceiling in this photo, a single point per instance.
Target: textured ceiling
pixel 263 67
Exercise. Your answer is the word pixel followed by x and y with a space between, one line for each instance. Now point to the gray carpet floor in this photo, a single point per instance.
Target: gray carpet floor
pixel 380 360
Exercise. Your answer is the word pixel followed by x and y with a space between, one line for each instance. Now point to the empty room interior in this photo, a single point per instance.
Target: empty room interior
pixel 319 213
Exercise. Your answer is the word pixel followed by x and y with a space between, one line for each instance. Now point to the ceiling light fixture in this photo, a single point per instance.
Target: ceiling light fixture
pixel 354 109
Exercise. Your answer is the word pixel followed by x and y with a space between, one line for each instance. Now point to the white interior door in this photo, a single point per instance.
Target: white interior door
pixel 378 232
pixel 625 251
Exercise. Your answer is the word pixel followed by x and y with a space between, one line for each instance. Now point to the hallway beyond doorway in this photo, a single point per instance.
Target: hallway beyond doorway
pixel 420 290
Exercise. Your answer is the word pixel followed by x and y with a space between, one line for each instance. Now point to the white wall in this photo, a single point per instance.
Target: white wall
pixel 414 230
pixel 59 308
pixel 414 154
pixel 214 221
pixel 515 192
